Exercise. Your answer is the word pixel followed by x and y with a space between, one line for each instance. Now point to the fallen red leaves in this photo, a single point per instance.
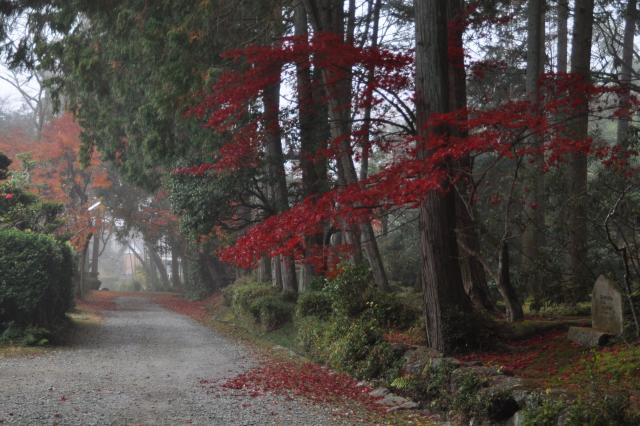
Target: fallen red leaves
pixel 309 380
pixel 195 309
pixel 98 301
pixel 402 338
pixel 532 357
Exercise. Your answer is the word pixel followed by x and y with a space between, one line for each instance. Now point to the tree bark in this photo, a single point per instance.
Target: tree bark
pixel 276 272
pixel 142 261
pixel 445 299
pixel 327 16
pixel 563 18
pixel 81 290
pixel 512 304
pixel 534 199
pixel 314 134
pixel 473 275
pixel 366 143
pixel 158 264
pixel 577 128
pixel 176 284
pixel 95 254
pixel 630 21
pixel 264 270
pixel 276 174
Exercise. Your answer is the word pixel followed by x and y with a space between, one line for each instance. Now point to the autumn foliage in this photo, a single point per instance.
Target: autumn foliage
pixel 56 173
pixel 502 131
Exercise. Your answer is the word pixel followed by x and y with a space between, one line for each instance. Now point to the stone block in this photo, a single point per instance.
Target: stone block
pixel 588 337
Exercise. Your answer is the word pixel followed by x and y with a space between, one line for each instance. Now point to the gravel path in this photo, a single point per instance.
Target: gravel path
pixel 142 366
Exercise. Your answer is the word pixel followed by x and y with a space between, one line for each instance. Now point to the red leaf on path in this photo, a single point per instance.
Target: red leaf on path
pixel 63 398
pixel 309 380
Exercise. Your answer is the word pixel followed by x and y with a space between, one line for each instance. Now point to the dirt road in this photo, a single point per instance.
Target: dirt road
pixel 142 365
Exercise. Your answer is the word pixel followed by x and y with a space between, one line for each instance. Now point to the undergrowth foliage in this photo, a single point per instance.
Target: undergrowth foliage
pixel 35 279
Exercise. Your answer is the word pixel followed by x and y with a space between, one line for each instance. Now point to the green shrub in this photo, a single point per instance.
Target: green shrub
pixel 271 311
pixel 27 212
pixel 602 411
pixel 359 349
pixel 467 331
pixel 438 379
pixel 467 396
pixel 389 311
pixel 496 406
pixel 35 279
pixel 311 335
pixel 415 387
pixel 244 295
pixel 348 291
pixel 26 336
pixel 227 295
pixel 599 411
pixel 314 303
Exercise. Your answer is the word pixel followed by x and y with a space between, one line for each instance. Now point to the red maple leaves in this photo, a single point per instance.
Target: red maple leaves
pixel 309 380
pixel 502 131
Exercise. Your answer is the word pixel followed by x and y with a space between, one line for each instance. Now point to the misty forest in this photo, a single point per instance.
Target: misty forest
pixel 319 212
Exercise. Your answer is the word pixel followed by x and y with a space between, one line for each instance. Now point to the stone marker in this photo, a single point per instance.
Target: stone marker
pixel 589 337
pixel 606 315
pixel 606 307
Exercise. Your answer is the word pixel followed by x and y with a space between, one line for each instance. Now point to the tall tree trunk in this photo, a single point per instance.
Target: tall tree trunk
pixel 176 245
pixel 560 224
pixel 314 134
pixel 578 129
pixel 327 16
pixel 82 285
pixel 276 272
pixel 176 284
pixel 473 274
pixel 211 272
pixel 264 270
pixel 563 18
pixel 366 143
pixel 630 21
pixel 534 200
pixel 276 174
pixel 445 299
pixel 145 265
pixel 95 254
pixel 474 277
pixel 159 267
pixel 513 306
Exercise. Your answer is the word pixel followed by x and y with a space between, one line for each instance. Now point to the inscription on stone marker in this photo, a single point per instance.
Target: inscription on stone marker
pixel 606 307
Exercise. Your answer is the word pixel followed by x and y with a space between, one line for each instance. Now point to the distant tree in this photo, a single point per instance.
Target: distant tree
pixel 4 166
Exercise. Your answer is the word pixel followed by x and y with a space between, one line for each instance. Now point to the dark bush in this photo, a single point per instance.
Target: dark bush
pixel 35 279
pixel 271 311
pixel 25 335
pixel 390 311
pixel 314 303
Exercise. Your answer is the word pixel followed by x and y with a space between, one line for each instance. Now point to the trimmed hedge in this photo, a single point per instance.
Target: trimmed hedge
pixel 35 279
